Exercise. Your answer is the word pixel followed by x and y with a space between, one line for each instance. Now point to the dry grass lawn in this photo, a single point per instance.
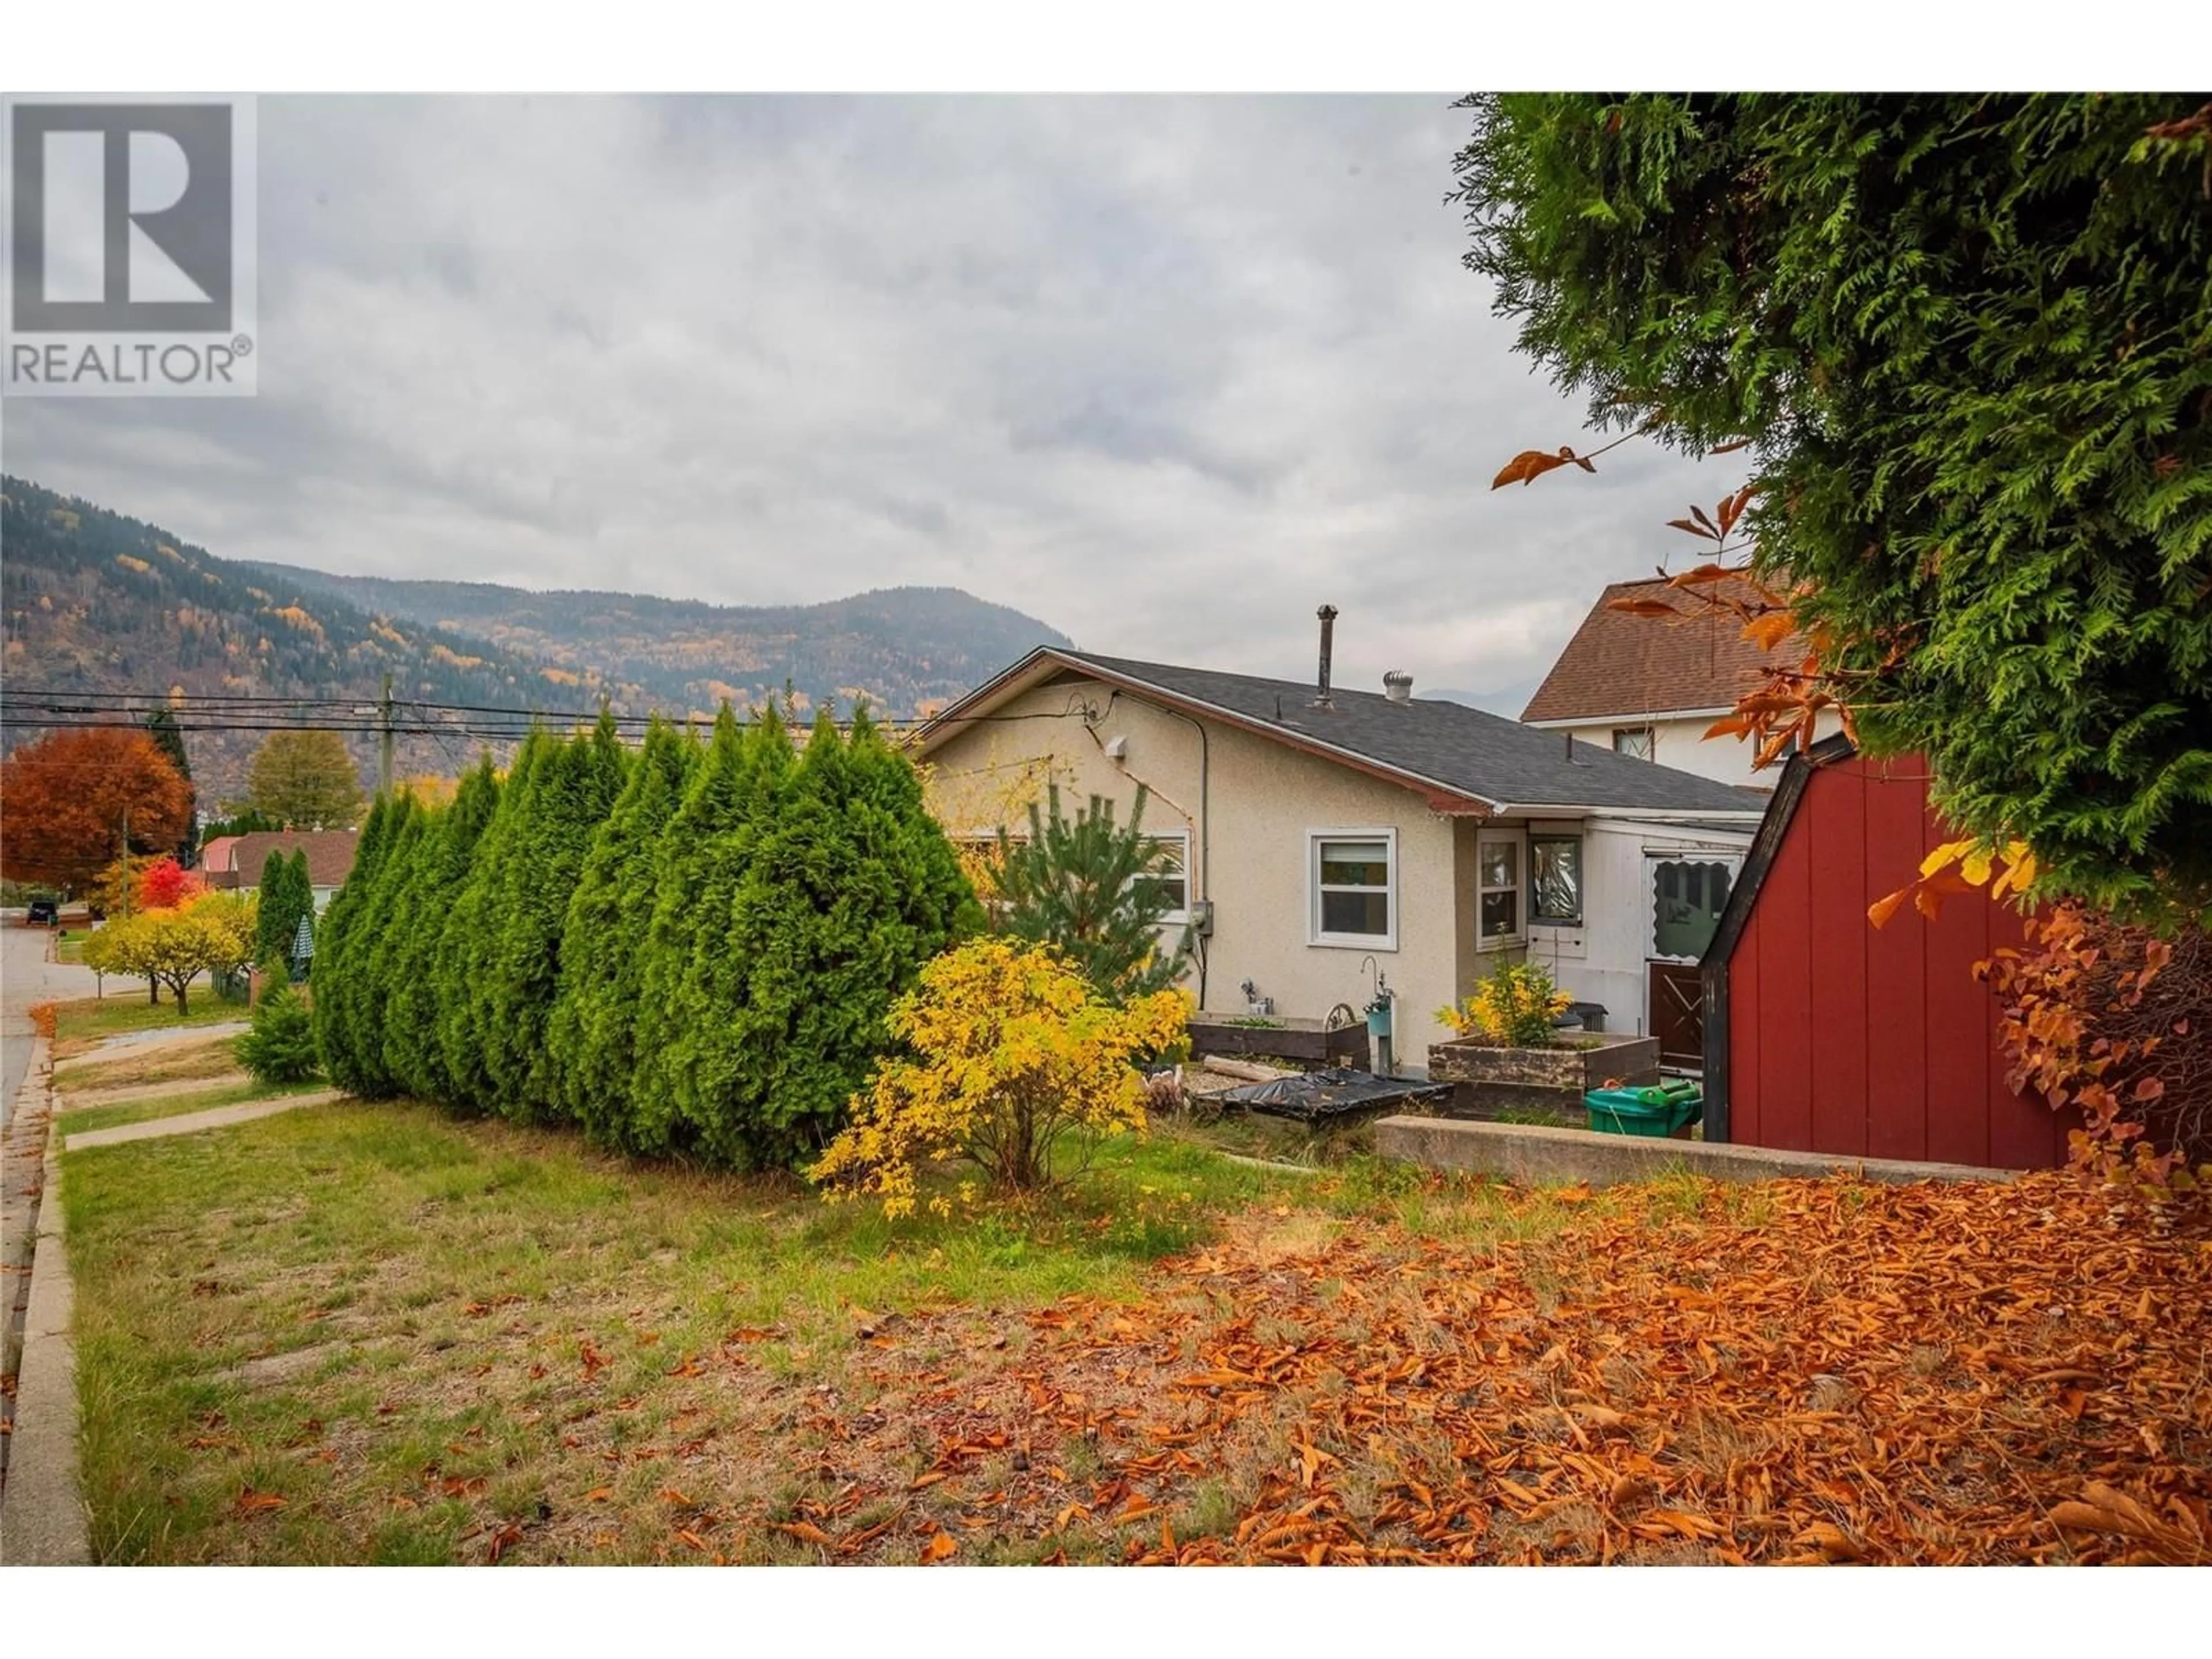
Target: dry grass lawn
pixel 372 1333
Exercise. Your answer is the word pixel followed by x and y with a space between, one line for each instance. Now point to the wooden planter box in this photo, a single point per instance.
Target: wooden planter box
pixel 1500 1081
pixel 1301 1040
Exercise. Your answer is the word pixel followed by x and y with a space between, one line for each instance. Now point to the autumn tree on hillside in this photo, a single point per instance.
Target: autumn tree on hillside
pixel 306 779
pixel 68 798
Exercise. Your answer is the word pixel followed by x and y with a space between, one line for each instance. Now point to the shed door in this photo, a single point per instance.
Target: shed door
pixel 1678 1014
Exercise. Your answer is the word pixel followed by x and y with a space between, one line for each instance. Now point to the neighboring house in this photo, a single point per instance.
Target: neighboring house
pixel 1650 687
pixel 1829 1035
pixel 1312 831
pixel 234 862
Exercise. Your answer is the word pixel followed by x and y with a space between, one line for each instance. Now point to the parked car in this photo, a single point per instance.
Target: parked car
pixel 43 913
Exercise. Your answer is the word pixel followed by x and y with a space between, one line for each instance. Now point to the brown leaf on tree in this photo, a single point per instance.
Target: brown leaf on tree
pixel 1530 465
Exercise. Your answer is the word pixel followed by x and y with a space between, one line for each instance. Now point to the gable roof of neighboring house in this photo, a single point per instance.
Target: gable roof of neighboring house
pixel 215 857
pixel 1463 759
pixel 330 856
pixel 1623 667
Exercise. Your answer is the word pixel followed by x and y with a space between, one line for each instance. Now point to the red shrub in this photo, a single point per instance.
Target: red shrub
pixel 2110 1019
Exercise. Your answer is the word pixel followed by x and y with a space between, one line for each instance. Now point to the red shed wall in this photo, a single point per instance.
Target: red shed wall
pixel 1859 1041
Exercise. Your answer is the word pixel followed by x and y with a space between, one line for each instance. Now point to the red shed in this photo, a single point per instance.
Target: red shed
pixel 1823 1034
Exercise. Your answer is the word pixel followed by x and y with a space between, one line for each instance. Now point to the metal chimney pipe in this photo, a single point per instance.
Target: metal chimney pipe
pixel 1328 615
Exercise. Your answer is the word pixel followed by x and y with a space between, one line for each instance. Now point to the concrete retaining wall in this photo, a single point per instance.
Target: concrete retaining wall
pixel 1542 1157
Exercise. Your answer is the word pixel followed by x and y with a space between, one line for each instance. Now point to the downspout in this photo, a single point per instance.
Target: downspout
pixel 1204 830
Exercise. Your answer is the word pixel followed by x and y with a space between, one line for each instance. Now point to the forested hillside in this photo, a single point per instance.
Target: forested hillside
pixel 93 601
pixel 904 646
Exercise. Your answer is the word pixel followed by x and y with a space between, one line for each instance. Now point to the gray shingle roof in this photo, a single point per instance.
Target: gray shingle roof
pixel 1465 750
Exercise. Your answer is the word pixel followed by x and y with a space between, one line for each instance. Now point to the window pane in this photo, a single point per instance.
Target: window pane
pixel 1167 853
pixel 1633 741
pixel 1355 864
pixel 1355 913
pixel 1501 914
pixel 1687 903
pixel 1555 866
pixel 1171 886
pixel 1501 863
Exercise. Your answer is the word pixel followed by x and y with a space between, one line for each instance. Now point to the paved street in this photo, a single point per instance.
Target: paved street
pixel 25 977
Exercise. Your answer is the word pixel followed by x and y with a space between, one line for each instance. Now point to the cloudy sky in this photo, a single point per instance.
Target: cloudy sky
pixel 1167 373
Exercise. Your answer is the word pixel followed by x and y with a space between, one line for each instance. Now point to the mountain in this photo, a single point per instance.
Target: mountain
pixel 93 601
pixel 904 648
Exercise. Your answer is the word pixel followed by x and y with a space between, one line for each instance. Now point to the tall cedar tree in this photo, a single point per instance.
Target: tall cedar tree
pixel 169 737
pixel 302 887
pixel 1968 335
pixel 850 888
pixel 695 985
pixel 591 1033
pixel 554 814
pixel 465 962
pixel 69 795
pixel 340 952
pixel 1081 885
pixel 285 898
pixel 377 935
pixel 412 1052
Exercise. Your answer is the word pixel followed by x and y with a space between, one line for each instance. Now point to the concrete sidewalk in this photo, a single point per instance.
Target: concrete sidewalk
pixel 185 1124
pixel 42 1514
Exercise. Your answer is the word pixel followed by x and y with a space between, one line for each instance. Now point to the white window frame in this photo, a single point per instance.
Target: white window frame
pixel 1181 917
pixel 1518 840
pixel 1315 935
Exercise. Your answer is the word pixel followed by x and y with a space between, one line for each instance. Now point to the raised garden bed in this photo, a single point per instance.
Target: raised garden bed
pixel 1305 1040
pixel 1505 1083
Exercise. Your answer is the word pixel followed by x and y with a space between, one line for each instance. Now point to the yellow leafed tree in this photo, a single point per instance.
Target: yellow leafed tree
pixel 1011 1054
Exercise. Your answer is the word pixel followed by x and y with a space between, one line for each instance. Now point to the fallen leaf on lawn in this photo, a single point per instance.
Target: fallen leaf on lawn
pixel 250 1501
pixel 939 1548
pixel 1831 1541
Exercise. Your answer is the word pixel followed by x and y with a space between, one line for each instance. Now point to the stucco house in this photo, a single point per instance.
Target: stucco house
pixel 1650 687
pixel 234 862
pixel 1319 834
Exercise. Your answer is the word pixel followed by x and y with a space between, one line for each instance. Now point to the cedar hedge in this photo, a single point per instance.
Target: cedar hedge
pixel 690 950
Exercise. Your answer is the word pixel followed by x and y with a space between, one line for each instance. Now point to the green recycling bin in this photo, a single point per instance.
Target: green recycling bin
pixel 1655 1112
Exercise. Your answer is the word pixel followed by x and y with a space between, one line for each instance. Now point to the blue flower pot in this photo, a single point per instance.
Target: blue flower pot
pixel 1378 1022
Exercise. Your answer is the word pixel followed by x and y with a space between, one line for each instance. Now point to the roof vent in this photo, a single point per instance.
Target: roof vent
pixel 1398 685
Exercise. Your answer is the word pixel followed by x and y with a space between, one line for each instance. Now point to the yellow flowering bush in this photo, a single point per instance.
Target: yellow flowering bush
pixel 1514 1008
pixel 1011 1054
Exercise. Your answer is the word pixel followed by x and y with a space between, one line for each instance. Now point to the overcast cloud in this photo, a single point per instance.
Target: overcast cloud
pixel 1165 373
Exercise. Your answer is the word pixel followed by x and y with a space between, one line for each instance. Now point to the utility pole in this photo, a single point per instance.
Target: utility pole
pixel 127 883
pixel 384 740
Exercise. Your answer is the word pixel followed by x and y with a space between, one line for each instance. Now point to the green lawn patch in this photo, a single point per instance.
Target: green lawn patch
pixel 372 1333
pixel 183 1062
pixel 87 1019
